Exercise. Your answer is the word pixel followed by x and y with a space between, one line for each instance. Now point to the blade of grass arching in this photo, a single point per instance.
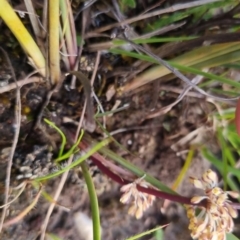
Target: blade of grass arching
pixel 195 56
pixel 24 38
pixel 140 40
pixel 54 41
pixel 93 202
pixel 138 236
pixel 94 149
pixel 162 71
pixel 72 150
pixel 188 59
pixel 184 168
pixel 52 124
pixel 119 42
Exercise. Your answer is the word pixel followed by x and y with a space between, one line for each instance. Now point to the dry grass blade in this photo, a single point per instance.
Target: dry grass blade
pixel 170 69
pixel 25 212
pixel 166 109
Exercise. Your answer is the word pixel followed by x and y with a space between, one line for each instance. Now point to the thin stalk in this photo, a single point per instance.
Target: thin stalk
pixel 64 141
pixel 93 202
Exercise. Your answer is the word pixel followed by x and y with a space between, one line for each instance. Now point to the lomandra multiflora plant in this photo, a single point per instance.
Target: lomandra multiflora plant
pixel 210 215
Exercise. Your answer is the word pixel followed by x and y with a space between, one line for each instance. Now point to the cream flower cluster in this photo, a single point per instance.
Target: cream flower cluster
pixel 215 219
pixel 139 201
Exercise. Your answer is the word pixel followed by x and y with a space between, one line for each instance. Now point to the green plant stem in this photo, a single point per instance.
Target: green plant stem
pixel 93 202
pixel 52 124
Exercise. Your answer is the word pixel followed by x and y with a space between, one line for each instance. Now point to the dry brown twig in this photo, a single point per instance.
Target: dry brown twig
pixel 184 92
pixel 27 80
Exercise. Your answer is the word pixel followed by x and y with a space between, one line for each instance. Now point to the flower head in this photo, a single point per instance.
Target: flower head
pixel 139 201
pixel 216 217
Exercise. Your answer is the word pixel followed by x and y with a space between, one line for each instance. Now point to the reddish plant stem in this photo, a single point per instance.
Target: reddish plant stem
pixel 164 195
pixel 108 172
pixel 157 193
pixel 115 177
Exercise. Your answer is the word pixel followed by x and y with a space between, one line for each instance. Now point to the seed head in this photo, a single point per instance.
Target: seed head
pixel 216 218
pixel 139 201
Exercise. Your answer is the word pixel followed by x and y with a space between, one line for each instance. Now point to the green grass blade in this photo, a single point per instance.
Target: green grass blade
pixel 165 71
pixel 72 150
pixel 138 236
pixel 230 236
pixel 224 157
pixel 93 202
pixel 94 149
